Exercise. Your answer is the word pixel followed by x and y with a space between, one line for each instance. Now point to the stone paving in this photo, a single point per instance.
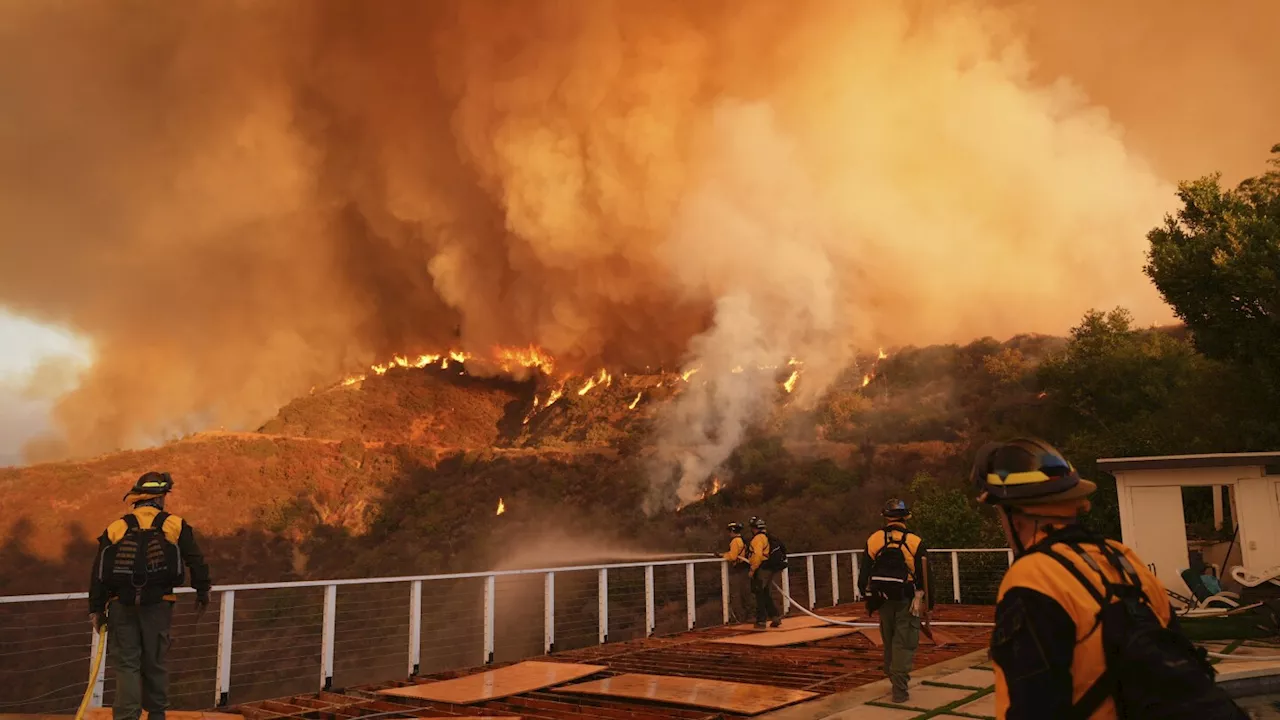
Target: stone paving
pixel 970 692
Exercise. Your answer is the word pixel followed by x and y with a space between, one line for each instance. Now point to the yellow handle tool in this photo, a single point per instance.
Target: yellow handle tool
pixel 93 672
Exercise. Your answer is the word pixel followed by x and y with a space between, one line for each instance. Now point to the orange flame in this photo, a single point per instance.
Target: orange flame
pixel 352 380
pixel 866 380
pixel 790 384
pixel 501 507
pixel 715 485
pixel 688 374
pixel 635 402
pixel 591 382
pixel 555 395
pixel 736 370
pixel 1042 396
pixel 530 357
pixel 882 356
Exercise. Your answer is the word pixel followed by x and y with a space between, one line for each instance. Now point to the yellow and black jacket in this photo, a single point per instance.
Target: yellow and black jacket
pixel 913 550
pixel 176 531
pixel 736 554
pixel 1047 645
pixel 758 551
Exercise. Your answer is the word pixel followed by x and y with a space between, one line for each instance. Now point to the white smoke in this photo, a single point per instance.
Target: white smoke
pixel 752 234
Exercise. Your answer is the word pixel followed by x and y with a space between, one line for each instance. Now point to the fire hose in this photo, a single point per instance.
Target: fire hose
pixel 93 672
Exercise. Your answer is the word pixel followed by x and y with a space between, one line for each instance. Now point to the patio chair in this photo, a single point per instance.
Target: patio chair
pixel 1250 579
pixel 1209 595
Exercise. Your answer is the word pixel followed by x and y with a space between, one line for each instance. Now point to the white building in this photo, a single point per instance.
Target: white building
pixel 1152 519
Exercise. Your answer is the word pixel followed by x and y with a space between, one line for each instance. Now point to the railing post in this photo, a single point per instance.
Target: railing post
pixel 835 582
pixel 489 592
pixel 724 591
pixel 602 589
pixel 955 575
pixel 226 619
pixel 690 597
pixel 813 593
pixel 326 639
pixel 1010 557
pixel 648 601
pixel 786 586
pixel 415 627
pixel 853 560
pixel 95 700
pixel 549 618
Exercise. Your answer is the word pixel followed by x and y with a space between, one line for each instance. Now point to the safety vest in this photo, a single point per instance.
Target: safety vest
pixel 1045 575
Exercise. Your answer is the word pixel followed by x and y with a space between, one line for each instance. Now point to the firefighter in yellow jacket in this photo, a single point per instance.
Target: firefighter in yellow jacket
pixel 892 580
pixel 739 573
pixel 141 558
pixel 1048 647
pixel 762 573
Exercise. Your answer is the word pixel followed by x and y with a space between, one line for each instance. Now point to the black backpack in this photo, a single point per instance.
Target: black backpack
pixel 144 566
pixel 777 559
pixel 890 574
pixel 1152 671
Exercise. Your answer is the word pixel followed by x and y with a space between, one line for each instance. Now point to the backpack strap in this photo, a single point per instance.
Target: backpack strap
pixel 158 522
pixel 1104 687
pixel 131 521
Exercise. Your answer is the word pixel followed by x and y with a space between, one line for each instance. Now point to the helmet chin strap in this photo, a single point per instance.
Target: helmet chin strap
pixel 1015 538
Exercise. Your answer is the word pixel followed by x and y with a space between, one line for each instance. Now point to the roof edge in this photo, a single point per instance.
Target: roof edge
pixel 1188 462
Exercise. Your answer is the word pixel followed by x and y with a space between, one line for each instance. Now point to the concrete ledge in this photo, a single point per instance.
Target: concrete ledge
pixel 830 705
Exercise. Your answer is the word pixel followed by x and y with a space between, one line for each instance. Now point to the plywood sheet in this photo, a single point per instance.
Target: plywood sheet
pixel 493 684
pixel 942 636
pixel 789 637
pixel 789 623
pixel 741 698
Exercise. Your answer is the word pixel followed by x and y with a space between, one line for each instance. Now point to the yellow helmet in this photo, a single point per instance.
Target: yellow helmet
pixel 1026 471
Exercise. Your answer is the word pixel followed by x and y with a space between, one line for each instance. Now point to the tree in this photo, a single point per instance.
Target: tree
pixel 1218 264
pixel 950 517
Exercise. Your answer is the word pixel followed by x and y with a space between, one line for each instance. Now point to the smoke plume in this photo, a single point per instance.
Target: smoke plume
pixel 235 201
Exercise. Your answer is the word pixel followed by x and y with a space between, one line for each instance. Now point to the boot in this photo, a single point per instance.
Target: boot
pixel 777 622
pixel 760 625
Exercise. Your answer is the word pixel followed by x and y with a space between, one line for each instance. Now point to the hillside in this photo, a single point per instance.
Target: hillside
pixel 357 477
pixel 401 472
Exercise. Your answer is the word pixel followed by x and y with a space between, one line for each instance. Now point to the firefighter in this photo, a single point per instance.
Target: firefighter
pixel 1052 639
pixel 761 575
pixel 892 580
pixel 141 558
pixel 739 573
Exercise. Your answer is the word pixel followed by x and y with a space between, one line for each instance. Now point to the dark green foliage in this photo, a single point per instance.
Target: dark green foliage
pixel 946 515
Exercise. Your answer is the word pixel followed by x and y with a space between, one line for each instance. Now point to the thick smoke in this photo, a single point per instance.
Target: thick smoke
pixel 236 201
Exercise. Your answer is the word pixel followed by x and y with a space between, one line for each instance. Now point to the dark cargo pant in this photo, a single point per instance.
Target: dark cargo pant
pixel 139 640
pixel 900 631
pixel 765 607
pixel 740 592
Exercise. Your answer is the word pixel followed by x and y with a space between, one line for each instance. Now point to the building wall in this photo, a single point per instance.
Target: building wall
pixel 1152 521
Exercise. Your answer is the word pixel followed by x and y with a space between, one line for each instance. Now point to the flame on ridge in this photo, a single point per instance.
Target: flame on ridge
pixel 635 402
pixel 790 384
pixel 501 507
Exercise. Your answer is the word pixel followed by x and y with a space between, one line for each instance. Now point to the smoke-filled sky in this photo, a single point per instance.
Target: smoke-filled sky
pixel 235 201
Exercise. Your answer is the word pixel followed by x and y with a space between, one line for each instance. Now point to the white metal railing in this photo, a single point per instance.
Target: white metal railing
pixel 972 575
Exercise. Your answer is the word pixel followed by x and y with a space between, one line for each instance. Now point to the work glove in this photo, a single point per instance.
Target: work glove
pixel 98 620
pixel 917 604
